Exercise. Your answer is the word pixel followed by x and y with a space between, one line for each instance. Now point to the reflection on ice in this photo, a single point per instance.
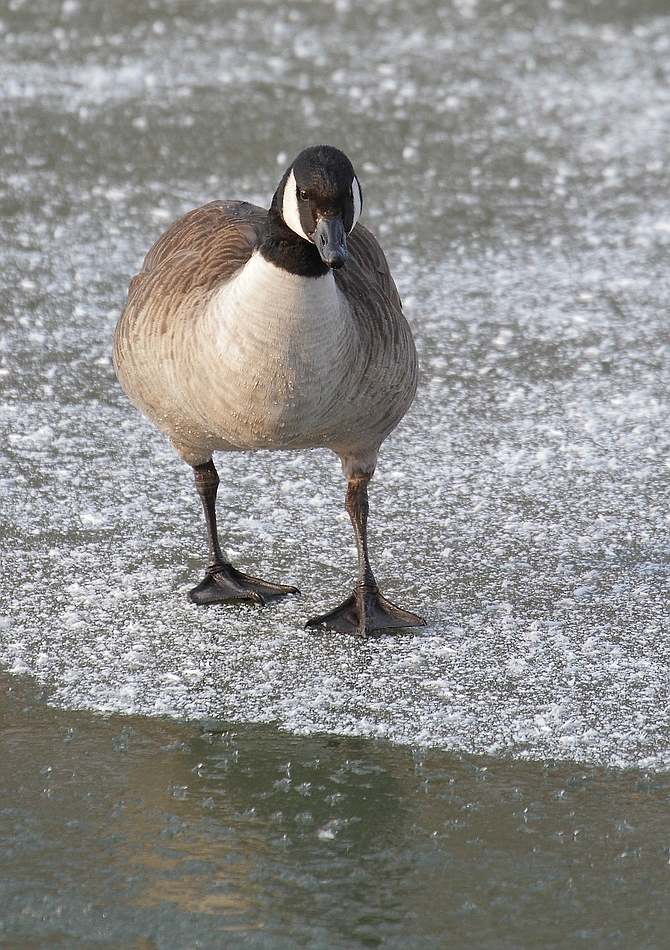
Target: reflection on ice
pixel 140 831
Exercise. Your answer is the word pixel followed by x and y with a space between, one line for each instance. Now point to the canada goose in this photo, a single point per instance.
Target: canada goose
pixel 280 329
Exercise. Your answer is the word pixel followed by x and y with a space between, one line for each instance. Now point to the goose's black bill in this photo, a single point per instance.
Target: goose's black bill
pixel 331 241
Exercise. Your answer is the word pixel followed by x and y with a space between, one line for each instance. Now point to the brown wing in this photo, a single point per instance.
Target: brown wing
pixel 385 337
pixel 196 229
pixel 196 254
pixel 366 282
pixel 365 250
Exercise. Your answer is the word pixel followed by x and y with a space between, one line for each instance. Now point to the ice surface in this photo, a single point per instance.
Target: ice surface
pixel 521 190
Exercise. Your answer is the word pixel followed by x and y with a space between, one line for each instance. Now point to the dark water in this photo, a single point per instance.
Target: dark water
pixel 505 769
pixel 128 831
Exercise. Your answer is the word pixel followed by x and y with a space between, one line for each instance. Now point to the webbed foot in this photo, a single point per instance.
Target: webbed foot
pixel 364 612
pixel 224 582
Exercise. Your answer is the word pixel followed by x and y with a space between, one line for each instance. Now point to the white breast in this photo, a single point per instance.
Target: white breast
pixel 277 354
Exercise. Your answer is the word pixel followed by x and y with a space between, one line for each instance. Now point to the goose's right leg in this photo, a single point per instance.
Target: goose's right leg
pixel 222 581
pixel 366 610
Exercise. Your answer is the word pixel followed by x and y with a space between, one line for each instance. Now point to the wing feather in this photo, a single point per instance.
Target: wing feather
pixel 391 366
pixel 366 251
pixel 196 254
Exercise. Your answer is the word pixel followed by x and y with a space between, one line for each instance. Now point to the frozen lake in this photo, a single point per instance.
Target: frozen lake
pixel 514 164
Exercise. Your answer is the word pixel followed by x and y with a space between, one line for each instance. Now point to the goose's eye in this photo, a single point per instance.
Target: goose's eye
pixel 303 194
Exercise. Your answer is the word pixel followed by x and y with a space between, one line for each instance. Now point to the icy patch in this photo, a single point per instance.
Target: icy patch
pixel 496 684
pixel 522 505
pixel 524 515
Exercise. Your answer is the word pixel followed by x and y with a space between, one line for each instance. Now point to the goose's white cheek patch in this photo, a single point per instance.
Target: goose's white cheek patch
pixel 289 208
pixel 358 201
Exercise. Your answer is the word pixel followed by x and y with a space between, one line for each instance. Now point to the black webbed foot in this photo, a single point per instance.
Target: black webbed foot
pixel 223 582
pixel 365 612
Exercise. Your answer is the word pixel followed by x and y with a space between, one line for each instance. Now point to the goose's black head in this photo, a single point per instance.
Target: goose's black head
pixel 319 200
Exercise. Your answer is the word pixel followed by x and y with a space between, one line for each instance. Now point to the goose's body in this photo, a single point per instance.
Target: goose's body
pixel 246 329
pixel 224 350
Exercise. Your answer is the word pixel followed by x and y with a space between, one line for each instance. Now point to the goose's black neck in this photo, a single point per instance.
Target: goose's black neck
pixel 286 249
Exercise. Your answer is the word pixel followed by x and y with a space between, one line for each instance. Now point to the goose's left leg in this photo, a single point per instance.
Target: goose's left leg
pixel 366 610
pixel 223 581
